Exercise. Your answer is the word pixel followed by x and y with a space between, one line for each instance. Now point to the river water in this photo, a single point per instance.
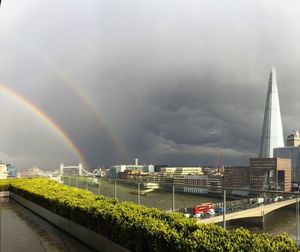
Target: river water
pixel 281 220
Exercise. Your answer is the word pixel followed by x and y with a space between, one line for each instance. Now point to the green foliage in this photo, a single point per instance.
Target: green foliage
pixel 139 228
pixel 4 183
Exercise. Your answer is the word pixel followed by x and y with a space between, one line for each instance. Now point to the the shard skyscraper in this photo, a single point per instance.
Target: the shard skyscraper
pixel 272 134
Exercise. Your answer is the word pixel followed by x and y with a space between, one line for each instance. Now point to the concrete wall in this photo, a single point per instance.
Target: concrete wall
pixel 96 241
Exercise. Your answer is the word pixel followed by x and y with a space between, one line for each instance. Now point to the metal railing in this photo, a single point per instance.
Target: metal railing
pixel 169 197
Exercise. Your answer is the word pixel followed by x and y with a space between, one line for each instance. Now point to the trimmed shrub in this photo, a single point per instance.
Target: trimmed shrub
pixel 4 183
pixel 139 228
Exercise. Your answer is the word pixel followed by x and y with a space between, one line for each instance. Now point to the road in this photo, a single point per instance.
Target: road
pixel 253 212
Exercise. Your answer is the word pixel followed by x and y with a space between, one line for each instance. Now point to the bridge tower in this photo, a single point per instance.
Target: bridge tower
pixel 61 168
pixel 136 161
pixel 80 169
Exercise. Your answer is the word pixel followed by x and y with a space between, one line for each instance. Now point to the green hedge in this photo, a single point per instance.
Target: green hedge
pixel 4 183
pixel 139 228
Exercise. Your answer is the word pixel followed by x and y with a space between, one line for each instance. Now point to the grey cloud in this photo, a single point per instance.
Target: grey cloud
pixel 173 80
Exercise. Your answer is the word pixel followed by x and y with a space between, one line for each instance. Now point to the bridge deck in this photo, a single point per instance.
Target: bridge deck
pixel 253 212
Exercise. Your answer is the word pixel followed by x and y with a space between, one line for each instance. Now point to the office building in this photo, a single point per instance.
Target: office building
pixel 236 176
pixel 181 172
pixel 11 171
pixel 196 184
pixel 116 169
pixel 157 168
pixel 270 174
pixel 293 140
pixel 272 134
pixel 215 183
pixel 292 152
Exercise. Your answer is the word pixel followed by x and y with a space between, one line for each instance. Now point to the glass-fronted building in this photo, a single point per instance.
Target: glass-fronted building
pixel 11 171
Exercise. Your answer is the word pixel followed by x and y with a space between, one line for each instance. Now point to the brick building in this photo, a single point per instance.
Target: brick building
pixel 270 174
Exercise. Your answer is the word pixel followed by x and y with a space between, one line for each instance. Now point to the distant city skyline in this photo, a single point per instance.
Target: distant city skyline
pixel 169 82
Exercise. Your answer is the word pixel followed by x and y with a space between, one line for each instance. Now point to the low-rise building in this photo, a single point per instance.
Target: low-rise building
pixel 181 172
pixel 196 184
pixel 157 168
pixel 136 175
pixel 215 183
pixel 11 171
pixel 116 169
pixel 3 170
pixel 236 177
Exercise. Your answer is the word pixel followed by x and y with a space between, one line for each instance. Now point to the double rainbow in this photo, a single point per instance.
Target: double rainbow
pixel 42 115
pixel 120 150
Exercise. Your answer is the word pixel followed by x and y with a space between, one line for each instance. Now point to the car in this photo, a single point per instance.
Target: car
pixel 277 198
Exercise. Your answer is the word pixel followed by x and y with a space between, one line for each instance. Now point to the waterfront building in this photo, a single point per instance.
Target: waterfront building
pixel 215 183
pixel 157 168
pixel 169 176
pixel 11 171
pixel 163 178
pixel 236 177
pixel 36 172
pixel 100 172
pixel 136 175
pixel 168 169
pixel 196 184
pixel 293 140
pixel 270 174
pixel 272 134
pixel 292 152
pixel 211 170
pixel 116 169
pixel 3 170
pixel 181 172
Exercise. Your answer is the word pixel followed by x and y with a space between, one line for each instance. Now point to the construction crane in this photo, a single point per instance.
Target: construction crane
pixel 218 162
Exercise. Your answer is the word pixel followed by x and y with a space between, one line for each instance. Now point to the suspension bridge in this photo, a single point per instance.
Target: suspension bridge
pixel 63 170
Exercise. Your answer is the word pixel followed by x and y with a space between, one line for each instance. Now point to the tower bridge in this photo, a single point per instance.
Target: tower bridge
pixel 81 171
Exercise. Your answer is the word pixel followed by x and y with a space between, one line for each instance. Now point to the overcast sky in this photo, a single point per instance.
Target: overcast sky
pixel 169 82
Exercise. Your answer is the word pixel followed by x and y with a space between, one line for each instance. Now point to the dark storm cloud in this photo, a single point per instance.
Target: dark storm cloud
pixel 174 81
pixel 202 115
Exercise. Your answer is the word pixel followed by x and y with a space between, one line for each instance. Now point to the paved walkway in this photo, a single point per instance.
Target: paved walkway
pixel 23 231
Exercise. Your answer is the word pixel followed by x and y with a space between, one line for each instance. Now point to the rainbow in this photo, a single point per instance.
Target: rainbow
pixel 76 89
pixel 49 121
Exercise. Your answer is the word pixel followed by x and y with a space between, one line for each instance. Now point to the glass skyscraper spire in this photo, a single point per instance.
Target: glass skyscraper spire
pixel 272 134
